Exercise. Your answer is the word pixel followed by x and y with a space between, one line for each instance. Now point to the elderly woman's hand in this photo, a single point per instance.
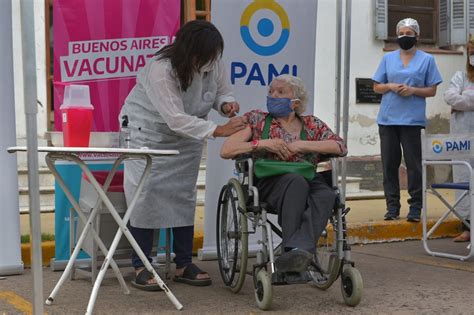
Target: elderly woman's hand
pixel 277 146
pixel 296 147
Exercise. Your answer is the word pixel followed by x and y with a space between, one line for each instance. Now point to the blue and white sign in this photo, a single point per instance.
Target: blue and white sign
pixel 447 146
pixel 262 39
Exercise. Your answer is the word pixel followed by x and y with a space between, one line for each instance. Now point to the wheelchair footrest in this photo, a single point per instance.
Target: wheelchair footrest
pixel 284 278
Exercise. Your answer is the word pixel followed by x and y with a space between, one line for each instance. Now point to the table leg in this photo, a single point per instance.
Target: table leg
pixel 123 229
pixel 88 224
pixel 72 229
pixel 168 251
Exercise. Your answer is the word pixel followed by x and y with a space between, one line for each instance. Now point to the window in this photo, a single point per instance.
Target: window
pixel 424 11
pixel 442 22
pixel 191 10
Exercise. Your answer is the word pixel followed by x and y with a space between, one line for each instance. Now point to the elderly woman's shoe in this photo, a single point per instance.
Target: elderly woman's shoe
pixel 295 260
pixel 290 277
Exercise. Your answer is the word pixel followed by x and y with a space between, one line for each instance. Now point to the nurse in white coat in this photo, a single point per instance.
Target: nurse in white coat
pixel 460 96
pixel 168 109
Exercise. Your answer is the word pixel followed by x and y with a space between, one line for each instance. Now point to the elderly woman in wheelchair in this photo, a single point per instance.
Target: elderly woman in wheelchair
pixel 279 177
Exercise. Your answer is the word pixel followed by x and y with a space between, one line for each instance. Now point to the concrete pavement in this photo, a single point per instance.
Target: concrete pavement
pixel 365 222
pixel 399 278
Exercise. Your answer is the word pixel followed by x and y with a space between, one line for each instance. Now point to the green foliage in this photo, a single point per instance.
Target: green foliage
pixel 44 237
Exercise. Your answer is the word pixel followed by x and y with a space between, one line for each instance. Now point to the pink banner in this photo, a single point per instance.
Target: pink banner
pixel 103 43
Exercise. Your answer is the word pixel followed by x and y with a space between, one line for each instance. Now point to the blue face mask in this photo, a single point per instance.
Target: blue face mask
pixel 279 107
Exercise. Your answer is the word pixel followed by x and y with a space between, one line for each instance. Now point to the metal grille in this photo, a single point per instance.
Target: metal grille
pixel 381 9
pixel 458 14
pixel 443 15
pixel 471 14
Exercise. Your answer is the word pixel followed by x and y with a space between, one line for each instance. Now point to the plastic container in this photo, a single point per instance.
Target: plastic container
pixel 76 115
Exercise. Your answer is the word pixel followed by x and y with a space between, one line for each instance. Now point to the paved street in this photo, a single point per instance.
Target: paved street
pixel 398 278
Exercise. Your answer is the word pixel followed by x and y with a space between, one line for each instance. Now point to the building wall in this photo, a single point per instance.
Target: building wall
pixel 366 53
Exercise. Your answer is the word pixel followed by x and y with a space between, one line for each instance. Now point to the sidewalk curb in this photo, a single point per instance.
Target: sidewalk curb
pixel 359 233
pixel 399 230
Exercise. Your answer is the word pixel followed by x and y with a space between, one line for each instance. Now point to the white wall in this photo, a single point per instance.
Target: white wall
pixel 366 53
pixel 40 70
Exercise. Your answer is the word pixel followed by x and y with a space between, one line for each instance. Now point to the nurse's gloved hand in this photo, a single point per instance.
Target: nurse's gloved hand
pixel 232 126
pixel 230 109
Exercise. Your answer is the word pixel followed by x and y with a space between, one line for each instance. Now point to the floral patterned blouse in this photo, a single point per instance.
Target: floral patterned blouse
pixel 315 129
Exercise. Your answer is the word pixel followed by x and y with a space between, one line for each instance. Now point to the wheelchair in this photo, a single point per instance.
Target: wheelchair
pixel 240 213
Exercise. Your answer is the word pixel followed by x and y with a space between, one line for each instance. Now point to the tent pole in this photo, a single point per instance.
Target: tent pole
pixel 337 85
pixel 345 103
pixel 30 95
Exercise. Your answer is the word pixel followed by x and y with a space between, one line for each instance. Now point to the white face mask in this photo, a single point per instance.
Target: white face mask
pixel 471 60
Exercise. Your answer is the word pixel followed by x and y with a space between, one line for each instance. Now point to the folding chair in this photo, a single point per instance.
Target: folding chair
pixel 447 149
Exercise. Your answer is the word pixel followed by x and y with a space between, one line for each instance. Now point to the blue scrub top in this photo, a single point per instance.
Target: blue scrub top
pixel 420 72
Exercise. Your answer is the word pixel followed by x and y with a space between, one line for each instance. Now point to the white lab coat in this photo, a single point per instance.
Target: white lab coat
pixel 460 96
pixel 161 116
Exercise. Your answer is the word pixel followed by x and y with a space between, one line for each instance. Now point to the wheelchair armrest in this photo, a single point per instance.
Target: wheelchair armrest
pixel 243 157
pixel 242 162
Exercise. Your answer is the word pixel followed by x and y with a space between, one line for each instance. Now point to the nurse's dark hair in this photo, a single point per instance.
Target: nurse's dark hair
pixel 197 43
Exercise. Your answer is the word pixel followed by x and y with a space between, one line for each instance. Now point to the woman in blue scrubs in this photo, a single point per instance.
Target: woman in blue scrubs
pixel 405 77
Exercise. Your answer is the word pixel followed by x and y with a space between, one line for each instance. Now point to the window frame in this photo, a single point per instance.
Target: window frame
pixel 455 19
pixel 407 9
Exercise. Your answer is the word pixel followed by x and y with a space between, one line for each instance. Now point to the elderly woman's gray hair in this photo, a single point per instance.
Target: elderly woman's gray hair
pixel 409 22
pixel 299 90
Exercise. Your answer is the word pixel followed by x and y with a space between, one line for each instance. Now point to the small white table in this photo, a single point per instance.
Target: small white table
pixel 79 156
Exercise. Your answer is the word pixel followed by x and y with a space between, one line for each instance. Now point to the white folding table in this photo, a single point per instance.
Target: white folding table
pixel 79 156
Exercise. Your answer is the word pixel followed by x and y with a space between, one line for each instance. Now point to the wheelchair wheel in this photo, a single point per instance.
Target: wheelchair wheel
pixel 328 261
pixel 263 290
pixel 232 236
pixel 351 286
